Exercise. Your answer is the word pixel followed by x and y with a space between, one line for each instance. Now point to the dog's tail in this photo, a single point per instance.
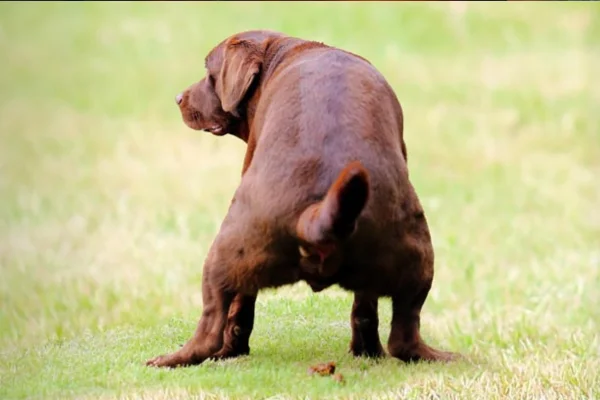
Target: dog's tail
pixel 334 218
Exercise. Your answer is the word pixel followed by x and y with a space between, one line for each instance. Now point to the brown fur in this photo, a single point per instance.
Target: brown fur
pixel 325 195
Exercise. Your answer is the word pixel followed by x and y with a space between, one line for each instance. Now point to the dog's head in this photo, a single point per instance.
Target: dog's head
pixel 216 103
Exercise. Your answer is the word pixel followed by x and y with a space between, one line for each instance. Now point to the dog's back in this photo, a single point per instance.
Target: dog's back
pixel 321 110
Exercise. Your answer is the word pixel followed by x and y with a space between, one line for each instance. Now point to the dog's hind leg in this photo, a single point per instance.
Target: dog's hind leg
pixel 405 340
pixel 364 321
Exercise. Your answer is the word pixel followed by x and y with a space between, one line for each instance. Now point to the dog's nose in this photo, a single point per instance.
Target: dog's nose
pixel 178 98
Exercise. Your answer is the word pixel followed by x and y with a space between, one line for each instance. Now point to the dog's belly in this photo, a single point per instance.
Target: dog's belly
pixel 357 282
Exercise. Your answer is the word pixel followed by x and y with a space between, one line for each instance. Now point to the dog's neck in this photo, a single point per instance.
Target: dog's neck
pixel 283 50
pixel 276 51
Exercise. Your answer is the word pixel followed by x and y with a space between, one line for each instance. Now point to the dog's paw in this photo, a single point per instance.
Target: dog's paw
pixel 372 350
pixel 423 352
pixel 228 352
pixel 172 360
pixel 159 361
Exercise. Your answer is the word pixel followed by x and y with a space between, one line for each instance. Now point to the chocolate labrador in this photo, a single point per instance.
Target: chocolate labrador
pixel 325 195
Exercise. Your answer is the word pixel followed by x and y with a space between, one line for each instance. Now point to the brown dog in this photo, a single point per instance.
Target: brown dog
pixel 324 197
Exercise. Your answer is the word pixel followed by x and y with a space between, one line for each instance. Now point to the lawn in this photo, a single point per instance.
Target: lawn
pixel 109 202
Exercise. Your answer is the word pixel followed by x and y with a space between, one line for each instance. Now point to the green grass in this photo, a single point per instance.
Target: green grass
pixel 109 203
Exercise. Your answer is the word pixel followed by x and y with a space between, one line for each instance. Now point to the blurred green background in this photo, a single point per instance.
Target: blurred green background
pixel 109 202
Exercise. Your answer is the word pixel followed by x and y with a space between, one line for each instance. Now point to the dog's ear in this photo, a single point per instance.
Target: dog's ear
pixel 241 65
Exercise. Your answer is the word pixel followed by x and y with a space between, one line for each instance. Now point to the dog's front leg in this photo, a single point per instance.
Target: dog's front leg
pixel 405 340
pixel 240 322
pixel 208 337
